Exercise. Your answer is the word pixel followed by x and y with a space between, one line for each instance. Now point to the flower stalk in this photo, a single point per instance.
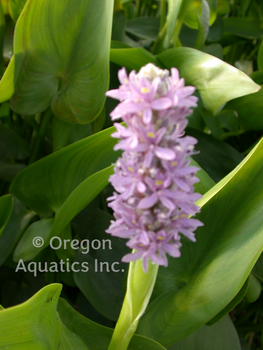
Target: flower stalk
pixel 139 290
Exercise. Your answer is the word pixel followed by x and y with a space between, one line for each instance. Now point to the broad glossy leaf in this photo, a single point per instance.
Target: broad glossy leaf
pixel 35 324
pixel 132 58
pixel 233 303
pixel 216 157
pixel 45 185
pixel 95 336
pixel 19 220
pixel 7 82
pixel 250 28
pixel 62 60
pixel 6 206
pixel 15 8
pixel 249 110
pixel 28 247
pixel 195 9
pixel 209 75
pixel 221 335
pixel 80 198
pixel 143 27
pixel 102 284
pixel 209 273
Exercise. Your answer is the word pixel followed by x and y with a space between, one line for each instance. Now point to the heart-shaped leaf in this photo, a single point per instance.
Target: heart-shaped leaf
pixel 63 60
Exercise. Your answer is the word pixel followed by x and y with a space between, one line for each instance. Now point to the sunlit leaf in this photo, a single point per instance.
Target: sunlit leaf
pixel 209 75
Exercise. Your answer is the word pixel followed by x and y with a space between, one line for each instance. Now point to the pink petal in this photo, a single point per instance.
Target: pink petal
pixel 164 153
pixel 161 103
pixel 148 202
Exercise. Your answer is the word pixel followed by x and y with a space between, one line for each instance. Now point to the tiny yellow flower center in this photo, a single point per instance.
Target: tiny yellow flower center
pixel 130 169
pixel 126 81
pixel 151 135
pixel 144 90
pixel 158 182
pixel 182 216
pixel 174 163
pixel 161 238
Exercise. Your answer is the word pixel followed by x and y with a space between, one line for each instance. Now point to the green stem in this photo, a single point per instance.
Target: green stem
pixel 118 5
pixel 163 14
pixel 139 290
pixel 231 133
pixel 159 41
pixel 138 9
pixel 41 135
pixel 180 20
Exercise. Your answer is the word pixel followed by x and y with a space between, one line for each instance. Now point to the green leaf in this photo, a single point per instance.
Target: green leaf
pixel 254 289
pixel 118 26
pixel 45 185
pixel 7 82
pixel 35 324
pixel 143 27
pixel 15 8
pixel 102 284
pixel 62 60
pixel 260 57
pixel 6 206
pixel 132 58
pixel 80 198
pixel 249 110
pixel 209 75
pixel 233 303
pixel 221 335
pixel 250 28
pixel 30 244
pixel 203 25
pixel 140 285
pixel 195 9
pixel 211 272
pixel 173 12
pixel 205 180
pixel 95 336
pixel 18 221
pixel 216 157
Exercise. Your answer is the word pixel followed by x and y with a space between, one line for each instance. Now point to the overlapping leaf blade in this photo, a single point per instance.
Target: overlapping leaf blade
pixel 45 185
pixel 210 272
pixel 36 324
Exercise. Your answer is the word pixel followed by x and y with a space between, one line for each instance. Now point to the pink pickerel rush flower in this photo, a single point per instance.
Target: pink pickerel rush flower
pixel 153 177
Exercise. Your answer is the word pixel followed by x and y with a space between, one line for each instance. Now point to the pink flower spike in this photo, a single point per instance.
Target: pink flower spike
pixel 153 180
